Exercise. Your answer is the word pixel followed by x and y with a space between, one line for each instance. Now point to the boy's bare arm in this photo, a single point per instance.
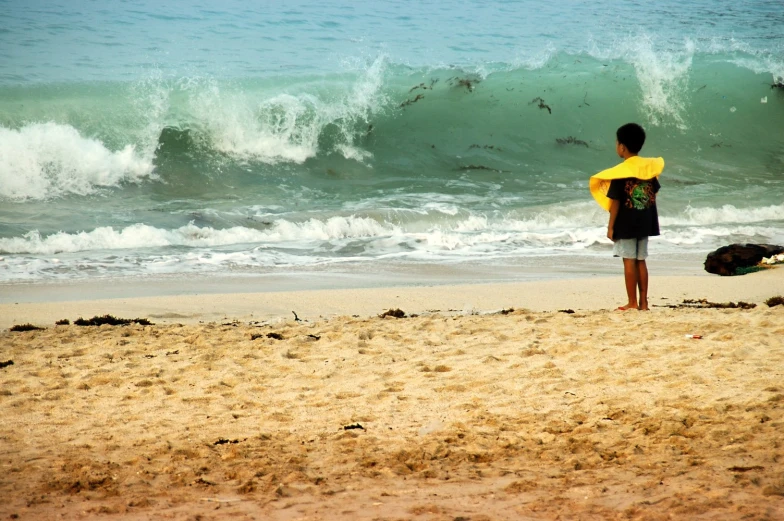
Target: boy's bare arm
pixel 614 206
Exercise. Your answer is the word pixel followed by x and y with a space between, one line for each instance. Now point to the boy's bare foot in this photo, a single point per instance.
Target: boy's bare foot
pixel 627 307
pixel 644 306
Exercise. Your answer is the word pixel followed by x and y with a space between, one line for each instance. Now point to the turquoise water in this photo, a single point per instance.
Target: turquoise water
pixel 139 140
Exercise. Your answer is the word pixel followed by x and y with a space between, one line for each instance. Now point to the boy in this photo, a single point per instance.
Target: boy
pixel 628 191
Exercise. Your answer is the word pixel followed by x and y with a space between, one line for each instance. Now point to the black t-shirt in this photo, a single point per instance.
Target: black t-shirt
pixel 637 215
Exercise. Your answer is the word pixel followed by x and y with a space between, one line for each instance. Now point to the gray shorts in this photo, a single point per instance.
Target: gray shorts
pixel 631 248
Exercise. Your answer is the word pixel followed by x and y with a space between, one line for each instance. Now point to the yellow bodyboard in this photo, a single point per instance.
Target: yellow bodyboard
pixel 644 168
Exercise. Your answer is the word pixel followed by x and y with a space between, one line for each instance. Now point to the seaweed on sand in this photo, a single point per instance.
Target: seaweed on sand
pixel 111 320
pixel 25 327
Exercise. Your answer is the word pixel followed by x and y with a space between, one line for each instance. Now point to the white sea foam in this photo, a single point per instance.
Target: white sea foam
pixel 664 70
pixel 287 127
pixel 278 129
pixel 577 224
pixel 535 61
pixel 353 152
pixel 743 54
pixel 337 227
pixel 44 160
pixel 432 236
pixel 145 236
pixel 663 77
pixel 716 235
pixel 662 74
pixel 726 214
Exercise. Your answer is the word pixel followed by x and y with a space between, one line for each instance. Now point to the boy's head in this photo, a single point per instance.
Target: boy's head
pixel 630 139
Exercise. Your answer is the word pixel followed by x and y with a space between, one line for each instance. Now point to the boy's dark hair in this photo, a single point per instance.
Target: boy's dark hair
pixel 632 136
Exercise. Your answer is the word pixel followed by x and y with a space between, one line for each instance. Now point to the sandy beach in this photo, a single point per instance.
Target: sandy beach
pixel 324 261
pixel 484 402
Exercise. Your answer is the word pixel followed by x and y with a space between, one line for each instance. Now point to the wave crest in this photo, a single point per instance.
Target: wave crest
pixel 45 160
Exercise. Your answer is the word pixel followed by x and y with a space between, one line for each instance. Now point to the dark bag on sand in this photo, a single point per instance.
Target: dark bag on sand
pixel 732 259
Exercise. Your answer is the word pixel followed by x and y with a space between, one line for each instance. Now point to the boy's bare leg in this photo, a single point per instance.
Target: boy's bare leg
pixel 631 277
pixel 642 282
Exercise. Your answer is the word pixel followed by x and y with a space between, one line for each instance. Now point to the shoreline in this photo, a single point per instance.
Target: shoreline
pixel 342 276
pixel 238 300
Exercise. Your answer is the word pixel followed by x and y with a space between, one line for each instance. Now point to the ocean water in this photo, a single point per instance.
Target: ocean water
pixel 204 138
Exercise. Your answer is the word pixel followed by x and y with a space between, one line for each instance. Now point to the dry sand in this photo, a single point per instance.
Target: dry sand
pixel 529 414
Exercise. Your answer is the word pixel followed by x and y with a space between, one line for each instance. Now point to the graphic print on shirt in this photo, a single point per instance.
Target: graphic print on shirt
pixel 640 194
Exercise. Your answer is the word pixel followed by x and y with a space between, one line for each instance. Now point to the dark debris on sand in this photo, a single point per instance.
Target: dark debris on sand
pixel 273 335
pixel 704 304
pixel 775 301
pixel 397 313
pixel 26 327
pixel 224 441
pixel 112 321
